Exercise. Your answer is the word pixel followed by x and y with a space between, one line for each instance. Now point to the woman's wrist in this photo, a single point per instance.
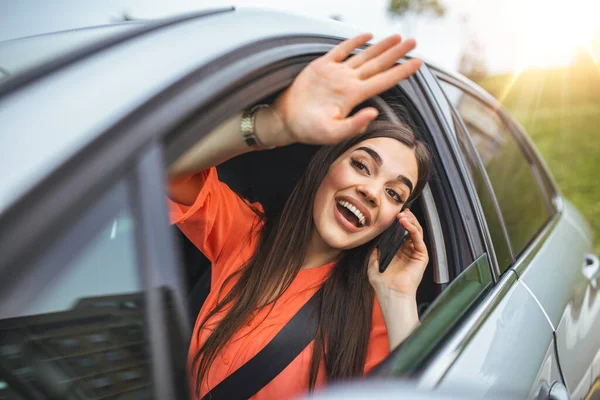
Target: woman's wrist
pixel 399 314
pixel 270 128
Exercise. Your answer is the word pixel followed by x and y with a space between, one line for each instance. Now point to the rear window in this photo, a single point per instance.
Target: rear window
pixel 521 200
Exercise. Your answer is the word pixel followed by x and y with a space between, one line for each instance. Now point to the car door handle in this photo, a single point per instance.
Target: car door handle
pixel 591 267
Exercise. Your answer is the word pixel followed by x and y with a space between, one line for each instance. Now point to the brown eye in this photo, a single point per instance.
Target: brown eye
pixel 394 195
pixel 360 166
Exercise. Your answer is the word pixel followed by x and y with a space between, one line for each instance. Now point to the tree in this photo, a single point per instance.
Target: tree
pixel 409 10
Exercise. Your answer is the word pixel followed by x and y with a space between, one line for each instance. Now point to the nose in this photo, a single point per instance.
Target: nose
pixel 369 194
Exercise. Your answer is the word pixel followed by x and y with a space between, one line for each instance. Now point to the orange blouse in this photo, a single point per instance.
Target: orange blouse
pixel 220 224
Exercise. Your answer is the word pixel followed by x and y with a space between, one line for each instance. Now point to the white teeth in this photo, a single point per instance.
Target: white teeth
pixel 354 210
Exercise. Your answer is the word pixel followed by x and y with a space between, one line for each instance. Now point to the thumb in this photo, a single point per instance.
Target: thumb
pixel 357 123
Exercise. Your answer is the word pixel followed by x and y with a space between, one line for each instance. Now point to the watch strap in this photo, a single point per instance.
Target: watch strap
pixel 248 127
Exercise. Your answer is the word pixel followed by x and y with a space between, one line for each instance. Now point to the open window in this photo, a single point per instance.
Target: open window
pixel 269 177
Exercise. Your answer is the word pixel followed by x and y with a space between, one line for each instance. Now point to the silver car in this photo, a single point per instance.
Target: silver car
pixel 98 293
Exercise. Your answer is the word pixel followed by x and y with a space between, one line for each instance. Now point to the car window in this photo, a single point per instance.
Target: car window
pixel 516 189
pixel 81 332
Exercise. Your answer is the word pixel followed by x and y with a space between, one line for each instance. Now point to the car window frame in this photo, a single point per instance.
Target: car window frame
pixel 217 106
pixel 450 248
pixel 445 114
pixel 450 179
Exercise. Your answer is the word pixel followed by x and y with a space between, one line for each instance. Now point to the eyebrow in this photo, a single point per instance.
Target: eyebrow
pixel 379 162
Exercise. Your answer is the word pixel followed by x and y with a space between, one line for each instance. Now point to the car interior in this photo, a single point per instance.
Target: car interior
pixel 269 177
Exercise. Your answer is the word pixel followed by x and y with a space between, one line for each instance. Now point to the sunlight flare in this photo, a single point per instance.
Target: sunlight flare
pixel 508 87
pixel 552 38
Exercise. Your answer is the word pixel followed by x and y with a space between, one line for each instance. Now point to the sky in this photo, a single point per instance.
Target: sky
pixel 513 34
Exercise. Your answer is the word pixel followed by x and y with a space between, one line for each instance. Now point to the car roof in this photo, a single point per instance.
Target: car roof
pixel 19 55
pixel 50 118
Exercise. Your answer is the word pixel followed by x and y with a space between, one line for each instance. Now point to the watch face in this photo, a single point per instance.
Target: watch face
pixel 250 141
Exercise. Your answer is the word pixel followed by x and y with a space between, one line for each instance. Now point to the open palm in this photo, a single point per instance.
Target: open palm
pixel 315 108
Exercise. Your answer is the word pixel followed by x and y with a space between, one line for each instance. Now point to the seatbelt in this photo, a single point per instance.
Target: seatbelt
pixel 261 369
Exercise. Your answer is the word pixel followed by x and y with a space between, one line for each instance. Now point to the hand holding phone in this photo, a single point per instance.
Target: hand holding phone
pixel 389 243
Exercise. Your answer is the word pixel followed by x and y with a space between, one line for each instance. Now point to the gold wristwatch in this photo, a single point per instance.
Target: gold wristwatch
pixel 248 128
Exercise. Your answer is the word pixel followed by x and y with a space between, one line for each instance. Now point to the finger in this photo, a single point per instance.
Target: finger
pixel 343 50
pixel 416 236
pixel 354 124
pixel 412 219
pixel 373 51
pixel 390 78
pixel 386 59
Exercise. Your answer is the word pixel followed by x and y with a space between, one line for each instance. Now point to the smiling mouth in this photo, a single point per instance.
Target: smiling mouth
pixel 351 213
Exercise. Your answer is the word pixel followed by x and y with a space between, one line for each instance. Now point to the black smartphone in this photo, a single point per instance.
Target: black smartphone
pixel 389 243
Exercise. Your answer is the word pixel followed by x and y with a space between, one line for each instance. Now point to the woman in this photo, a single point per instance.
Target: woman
pixel 354 187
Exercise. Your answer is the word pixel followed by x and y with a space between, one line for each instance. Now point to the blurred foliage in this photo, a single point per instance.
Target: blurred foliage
pixel 402 8
pixel 560 109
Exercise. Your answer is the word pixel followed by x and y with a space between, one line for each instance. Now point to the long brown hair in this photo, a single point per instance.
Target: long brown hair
pixel 347 296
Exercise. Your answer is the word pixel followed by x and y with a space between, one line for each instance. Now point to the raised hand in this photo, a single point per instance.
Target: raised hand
pixel 315 108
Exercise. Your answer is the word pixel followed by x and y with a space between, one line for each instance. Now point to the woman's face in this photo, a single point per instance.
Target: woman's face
pixel 363 191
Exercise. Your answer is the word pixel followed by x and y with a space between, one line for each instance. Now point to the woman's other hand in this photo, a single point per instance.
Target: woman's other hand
pixel 315 108
pixel 406 269
pixel 396 287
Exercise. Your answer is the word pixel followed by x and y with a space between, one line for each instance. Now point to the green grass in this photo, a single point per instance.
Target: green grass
pixel 560 110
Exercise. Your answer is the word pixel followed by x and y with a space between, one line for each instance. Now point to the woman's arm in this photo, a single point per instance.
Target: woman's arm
pixel 313 110
pixel 396 288
pixel 400 316
pixel 218 146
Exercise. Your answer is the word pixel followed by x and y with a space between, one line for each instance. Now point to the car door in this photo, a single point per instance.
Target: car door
pixel 557 266
pixel 84 311
pixel 513 350
pixel 563 277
